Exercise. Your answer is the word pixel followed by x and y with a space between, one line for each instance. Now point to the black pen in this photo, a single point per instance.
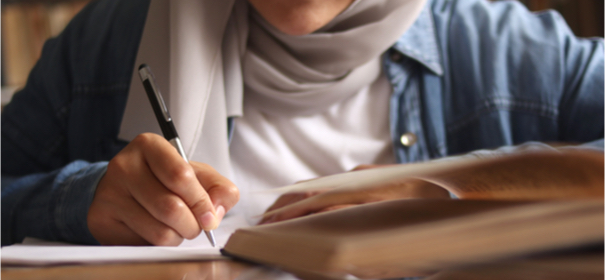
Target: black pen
pixel 164 119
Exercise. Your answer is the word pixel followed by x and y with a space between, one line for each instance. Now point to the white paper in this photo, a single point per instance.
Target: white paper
pixel 34 252
pixel 56 253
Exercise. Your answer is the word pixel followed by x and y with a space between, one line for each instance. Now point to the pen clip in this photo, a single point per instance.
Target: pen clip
pixel 146 74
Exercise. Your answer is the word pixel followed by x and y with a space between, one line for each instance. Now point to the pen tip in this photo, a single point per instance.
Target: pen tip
pixel 210 236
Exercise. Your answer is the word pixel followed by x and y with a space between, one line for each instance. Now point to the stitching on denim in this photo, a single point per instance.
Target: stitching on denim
pixel 57 216
pixel 505 103
pixel 61 215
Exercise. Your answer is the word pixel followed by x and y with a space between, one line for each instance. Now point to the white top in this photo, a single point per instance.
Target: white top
pixel 350 133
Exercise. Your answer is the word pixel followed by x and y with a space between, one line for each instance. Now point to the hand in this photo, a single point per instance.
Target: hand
pixel 291 198
pixel 292 205
pixel 151 195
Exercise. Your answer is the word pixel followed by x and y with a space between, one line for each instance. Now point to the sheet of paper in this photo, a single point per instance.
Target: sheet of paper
pixel 33 252
pixel 56 253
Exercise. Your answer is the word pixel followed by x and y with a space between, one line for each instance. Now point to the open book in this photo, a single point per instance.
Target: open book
pixel 407 237
pixel 533 175
pixel 518 205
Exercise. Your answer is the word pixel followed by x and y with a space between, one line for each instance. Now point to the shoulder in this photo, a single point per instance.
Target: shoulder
pixel 503 36
pixel 103 36
pixel 500 20
pixel 109 14
pixel 508 34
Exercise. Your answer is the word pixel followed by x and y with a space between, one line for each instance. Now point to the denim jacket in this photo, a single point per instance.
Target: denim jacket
pixel 468 75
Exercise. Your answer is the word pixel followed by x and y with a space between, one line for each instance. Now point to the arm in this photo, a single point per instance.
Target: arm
pixel 45 191
pixel 51 205
pixel 544 57
pixel 66 177
pixel 518 77
pixel 581 106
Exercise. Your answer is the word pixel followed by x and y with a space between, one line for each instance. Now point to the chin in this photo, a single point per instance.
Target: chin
pixel 299 17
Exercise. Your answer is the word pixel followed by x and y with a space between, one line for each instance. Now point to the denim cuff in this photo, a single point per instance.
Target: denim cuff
pixel 73 201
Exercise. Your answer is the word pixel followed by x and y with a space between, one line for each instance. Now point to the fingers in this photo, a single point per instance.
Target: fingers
pixel 143 224
pixel 110 230
pixel 310 205
pixel 166 207
pixel 290 198
pixel 120 235
pixel 336 207
pixel 285 200
pixel 149 194
pixel 198 189
pixel 122 221
pixel 340 198
pixel 290 214
pixel 222 192
pixel 370 166
pixel 177 175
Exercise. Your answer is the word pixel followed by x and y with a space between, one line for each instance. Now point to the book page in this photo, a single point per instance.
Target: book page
pixel 528 176
pixel 534 175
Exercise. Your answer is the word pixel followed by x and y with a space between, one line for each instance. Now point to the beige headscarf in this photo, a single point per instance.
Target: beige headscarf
pixel 202 58
pixel 303 75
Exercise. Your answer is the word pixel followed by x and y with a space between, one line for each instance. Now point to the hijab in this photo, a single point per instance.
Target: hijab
pixel 304 75
pixel 206 54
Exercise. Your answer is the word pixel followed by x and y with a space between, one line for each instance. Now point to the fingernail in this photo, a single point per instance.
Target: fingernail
pixel 208 221
pixel 220 212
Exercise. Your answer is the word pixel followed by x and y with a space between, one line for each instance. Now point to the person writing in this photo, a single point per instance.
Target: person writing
pixel 267 93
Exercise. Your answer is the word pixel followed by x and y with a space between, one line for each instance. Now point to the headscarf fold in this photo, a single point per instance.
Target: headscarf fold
pixel 303 75
pixel 204 52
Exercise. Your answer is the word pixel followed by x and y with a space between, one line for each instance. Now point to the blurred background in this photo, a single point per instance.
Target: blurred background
pixel 26 24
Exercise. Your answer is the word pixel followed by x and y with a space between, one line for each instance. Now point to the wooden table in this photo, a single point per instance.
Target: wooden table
pixel 565 266
pixel 203 270
pixel 585 266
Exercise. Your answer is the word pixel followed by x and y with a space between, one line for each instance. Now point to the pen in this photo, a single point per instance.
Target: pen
pixel 164 119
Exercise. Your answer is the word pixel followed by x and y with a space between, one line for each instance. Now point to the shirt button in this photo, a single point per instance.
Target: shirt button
pixel 408 139
pixel 396 56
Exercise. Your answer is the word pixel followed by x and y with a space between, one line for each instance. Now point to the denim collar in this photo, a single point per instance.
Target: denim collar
pixel 420 42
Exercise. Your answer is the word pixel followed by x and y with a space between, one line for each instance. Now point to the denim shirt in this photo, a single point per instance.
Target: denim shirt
pixel 468 75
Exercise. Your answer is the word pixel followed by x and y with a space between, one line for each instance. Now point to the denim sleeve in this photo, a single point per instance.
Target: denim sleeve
pixel 581 106
pixel 578 77
pixel 581 68
pixel 527 73
pixel 50 206
pixel 59 131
